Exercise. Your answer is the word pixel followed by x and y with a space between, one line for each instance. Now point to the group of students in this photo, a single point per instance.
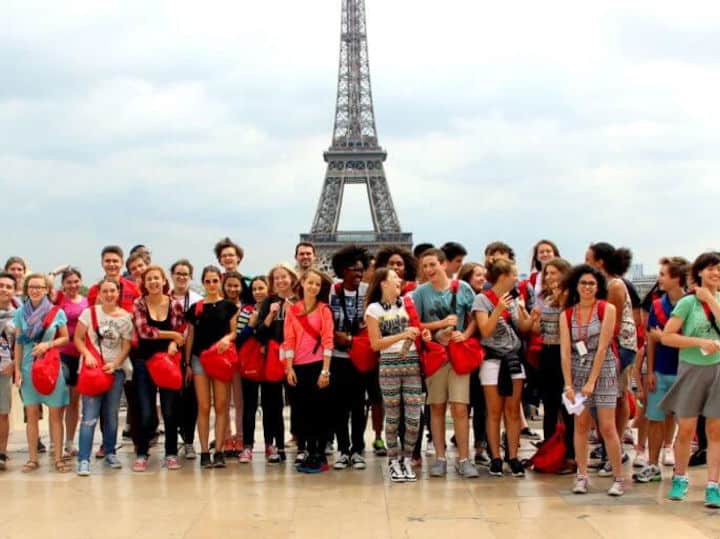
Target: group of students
pixel 574 338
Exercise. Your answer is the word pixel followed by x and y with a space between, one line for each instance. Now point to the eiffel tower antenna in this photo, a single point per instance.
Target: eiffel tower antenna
pixel 354 157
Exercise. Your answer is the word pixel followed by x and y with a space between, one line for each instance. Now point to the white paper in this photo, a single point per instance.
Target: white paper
pixel 578 407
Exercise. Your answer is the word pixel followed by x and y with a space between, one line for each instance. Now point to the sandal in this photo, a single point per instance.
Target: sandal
pixel 30 466
pixel 62 466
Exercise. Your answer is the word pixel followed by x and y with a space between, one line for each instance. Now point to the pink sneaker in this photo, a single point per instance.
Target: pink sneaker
pixel 140 464
pixel 245 456
pixel 171 463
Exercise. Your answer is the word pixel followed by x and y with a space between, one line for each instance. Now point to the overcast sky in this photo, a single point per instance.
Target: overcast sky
pixel 175 123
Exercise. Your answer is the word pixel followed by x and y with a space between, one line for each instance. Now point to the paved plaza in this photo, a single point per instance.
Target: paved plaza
pixel 268 501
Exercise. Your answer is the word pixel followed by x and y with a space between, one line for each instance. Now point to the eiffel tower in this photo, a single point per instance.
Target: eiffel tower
pixel 354 156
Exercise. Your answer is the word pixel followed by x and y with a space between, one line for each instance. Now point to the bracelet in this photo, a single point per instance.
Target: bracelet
pixel 325 373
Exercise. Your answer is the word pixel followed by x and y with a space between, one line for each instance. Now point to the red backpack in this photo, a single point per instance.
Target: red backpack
pixel 550 456
pixel 46 369
pixel 94 381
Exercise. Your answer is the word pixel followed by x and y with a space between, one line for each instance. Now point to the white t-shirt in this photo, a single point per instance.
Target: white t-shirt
pixel 7 338
pixel 392 322
pixel 113 330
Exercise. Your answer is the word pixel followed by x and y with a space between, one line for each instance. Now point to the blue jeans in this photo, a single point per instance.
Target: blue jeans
pixel 146 390
pixel 108 405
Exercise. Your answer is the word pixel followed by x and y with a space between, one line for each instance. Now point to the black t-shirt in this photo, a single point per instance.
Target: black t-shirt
pixel 212 325
pixel 148 347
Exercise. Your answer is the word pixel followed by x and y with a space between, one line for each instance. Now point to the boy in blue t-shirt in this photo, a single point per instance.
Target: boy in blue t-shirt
pixel 444 308
pixel 662 362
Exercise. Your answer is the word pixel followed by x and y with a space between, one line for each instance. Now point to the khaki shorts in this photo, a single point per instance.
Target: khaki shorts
pixel 448 386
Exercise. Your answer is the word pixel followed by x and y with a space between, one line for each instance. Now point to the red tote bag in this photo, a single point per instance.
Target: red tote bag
pixel 274 365
pixel 165 370
pixel 94 381
pixel 251 360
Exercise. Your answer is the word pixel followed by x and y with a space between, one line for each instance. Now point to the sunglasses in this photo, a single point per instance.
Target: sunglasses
pixel 211 281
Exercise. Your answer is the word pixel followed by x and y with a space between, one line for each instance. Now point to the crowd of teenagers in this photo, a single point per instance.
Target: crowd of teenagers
pixel 398 337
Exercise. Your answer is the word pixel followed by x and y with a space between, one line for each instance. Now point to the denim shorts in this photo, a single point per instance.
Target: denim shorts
pixel 197 367
pixel 663 383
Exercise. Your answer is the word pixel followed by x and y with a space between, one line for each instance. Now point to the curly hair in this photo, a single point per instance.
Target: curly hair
pixel 347 257
pixel 573 279
pixel 384 254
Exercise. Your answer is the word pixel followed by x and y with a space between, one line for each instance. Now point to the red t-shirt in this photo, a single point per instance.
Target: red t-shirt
pixel 129 292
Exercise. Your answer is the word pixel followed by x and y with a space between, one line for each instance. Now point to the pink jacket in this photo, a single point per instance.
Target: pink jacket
pixel 301 346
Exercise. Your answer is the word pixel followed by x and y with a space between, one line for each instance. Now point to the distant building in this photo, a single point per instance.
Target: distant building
pixel 642 282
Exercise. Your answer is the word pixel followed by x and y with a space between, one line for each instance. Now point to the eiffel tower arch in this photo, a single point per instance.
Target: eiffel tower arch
pixel 354 156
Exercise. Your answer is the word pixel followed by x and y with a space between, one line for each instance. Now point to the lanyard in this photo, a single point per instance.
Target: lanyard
pixel 584 327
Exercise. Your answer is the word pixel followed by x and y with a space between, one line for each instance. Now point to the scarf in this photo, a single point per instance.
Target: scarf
pixel 34 317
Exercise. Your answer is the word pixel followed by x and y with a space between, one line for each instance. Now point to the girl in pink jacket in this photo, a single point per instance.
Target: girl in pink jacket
pixel 308 345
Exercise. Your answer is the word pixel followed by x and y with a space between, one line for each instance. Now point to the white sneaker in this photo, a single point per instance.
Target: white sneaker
pixel 395 469
pixel 617 488
pixel 581 484
pixel 668 456
pixel 408 471
pixel 357 461
pixel 640 460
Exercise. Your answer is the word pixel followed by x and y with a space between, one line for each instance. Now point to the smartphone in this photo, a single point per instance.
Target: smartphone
pixel 514 293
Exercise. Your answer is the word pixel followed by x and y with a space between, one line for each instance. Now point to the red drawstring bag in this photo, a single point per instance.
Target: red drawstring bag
pixel 251 360
pixel 361 353
pixel 220 366
pixel 274 365
pixel 432 355
pixel 165 370
pixel 46 369
pixel 466 356
pixel 93 381
pixel 550 456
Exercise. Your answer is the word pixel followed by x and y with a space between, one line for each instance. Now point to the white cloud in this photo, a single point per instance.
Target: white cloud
pixel 175 123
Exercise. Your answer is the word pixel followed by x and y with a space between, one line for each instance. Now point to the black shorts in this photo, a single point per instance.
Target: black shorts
pixel 70 365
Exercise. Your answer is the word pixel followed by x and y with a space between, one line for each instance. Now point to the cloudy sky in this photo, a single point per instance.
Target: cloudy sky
pixel 175 123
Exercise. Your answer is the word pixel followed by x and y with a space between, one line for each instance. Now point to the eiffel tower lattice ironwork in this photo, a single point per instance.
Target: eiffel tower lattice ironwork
pixel 354 156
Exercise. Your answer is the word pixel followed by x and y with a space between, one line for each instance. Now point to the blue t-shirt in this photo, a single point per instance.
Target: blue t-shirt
pixel 433 305
pixel 666 358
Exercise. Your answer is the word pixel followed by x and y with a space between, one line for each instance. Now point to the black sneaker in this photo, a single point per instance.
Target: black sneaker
pixel 496 468
pixel 41 447
pixel 482 458
pixel 283 456
pixel 517 468
pixel 598 453
pixel 205 460
pixel 699 458
pixel 219 460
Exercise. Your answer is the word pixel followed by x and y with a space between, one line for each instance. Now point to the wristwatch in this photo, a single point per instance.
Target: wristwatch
pixel 325 373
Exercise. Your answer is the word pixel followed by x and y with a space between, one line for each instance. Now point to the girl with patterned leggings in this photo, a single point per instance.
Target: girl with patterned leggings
pixel 390 333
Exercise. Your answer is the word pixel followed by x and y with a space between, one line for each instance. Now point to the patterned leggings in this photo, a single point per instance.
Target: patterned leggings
pixel 400 381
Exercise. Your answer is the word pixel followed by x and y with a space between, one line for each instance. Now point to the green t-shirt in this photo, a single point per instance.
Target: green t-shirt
pixel 695 324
